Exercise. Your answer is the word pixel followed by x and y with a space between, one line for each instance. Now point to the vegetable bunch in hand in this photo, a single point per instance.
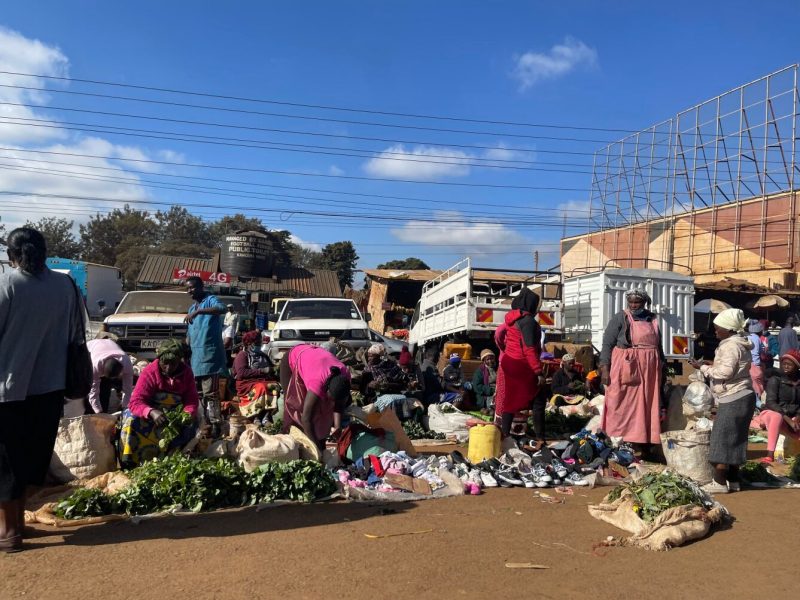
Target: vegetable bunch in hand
pixel 176 420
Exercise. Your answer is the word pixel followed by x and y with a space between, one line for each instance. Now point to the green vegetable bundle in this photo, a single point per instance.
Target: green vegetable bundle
pixel 753 472
pixel 177 420
pixel 557 424
pixel 198 485
pixel 415 431
pixel 794 468
pixel 656 492
pixel 273 428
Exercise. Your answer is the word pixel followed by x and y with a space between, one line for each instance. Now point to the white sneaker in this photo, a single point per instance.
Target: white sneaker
pixel 487 480
pixel 475 477
pixel 575 479
pixel 715 488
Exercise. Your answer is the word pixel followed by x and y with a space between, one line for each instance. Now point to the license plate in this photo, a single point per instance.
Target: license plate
pixel 150 344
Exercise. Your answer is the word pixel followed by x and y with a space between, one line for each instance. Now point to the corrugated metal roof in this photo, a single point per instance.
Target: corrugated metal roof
pixel 157 271
pixel 428 274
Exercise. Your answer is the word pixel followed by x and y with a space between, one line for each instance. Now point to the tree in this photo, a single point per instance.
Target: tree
pixel 183 234
pixel 410 263
pixel 122 238
pixel 342 258
pixel 305 258
pixel 231 224
pixel 58 234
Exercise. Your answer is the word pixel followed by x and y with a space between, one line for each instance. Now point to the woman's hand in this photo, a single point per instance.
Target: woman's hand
pixel 157 417
pixel 605 377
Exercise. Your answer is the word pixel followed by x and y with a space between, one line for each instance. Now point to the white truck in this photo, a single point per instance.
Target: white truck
pixel 468 304
pixel 97 283
pixel 591 300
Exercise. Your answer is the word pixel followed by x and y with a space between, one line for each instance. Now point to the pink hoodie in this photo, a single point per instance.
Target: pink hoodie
pixel 151 381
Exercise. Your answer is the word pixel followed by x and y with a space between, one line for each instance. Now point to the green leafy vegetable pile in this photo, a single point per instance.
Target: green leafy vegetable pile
pixel 794 468
pixel 177 419
pixel 754 472
pixel 656 492
pixel 415 431
pixel 204 484
pixel 273 428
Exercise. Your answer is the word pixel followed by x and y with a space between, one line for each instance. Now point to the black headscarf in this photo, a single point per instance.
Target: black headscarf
pixel 527 301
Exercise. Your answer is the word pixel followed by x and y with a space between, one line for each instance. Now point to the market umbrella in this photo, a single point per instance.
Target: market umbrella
pixel 711 305
pixel 770 301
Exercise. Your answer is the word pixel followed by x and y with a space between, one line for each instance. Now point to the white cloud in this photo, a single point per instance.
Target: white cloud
pixel 450 231
pixel 23 55
pixel 420 163
pixel 31 173
pixel 334 170
pixel 533 67
pixel 304 244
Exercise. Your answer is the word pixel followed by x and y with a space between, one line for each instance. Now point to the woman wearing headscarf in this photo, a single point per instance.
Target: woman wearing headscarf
pixel 631 366
pixel 520 374
pixel 382 374
pixel 732 387
pixel 781 415
pixel 316 389
pixel 567 385
pixel 40 315
pixel 256 385
pixel 167 384
pixel 484 382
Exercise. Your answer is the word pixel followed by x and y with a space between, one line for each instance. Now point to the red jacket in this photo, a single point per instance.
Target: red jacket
pixel 523 339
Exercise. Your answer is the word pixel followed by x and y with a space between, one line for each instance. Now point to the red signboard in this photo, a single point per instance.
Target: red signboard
pixel 206 276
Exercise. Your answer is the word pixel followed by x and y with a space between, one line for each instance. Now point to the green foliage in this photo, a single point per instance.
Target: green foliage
pixel 656 492
pixel 410 263
pixel 557 424
pixel 273 428
pixel 85 502
pixel 200 485
pixel 794 468
pixel 753 472
pixel 342 258
pixel 58 234
pixel 177 420
pixel 415 431
pixel 297 480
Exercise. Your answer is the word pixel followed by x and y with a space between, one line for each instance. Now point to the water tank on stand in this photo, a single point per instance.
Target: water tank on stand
pixel 247 254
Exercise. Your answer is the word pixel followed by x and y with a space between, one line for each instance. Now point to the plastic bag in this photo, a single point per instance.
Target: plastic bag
pixel 697 399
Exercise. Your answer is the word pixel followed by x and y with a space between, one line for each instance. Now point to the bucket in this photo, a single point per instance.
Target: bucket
pixel 484 442
pixel 687 453
pixel 463 350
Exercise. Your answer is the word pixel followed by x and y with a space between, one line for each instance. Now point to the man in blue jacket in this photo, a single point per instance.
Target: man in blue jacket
pixel 204 337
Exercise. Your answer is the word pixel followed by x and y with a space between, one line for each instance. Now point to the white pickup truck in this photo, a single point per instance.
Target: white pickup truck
pixel 469 304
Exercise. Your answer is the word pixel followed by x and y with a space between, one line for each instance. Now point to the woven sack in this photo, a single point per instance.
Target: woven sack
pixel 257 448
pixel 84 448
pixel 687 453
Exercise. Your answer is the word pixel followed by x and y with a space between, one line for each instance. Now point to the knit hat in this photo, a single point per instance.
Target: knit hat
pixel 638 293
pixel 251 337
pixel 455 358
pixel 379 349
pixel 170 350
pixel 731 319
pixel 567 358
pixel 406 358
pixel 486 352
pixel 792 355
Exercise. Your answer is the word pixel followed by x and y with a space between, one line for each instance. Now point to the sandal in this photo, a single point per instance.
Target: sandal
pixel 11 544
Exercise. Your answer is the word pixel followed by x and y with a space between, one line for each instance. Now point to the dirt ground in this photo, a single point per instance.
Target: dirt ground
pixel 321 551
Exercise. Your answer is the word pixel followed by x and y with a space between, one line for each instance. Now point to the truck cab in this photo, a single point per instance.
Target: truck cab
pixel 144 319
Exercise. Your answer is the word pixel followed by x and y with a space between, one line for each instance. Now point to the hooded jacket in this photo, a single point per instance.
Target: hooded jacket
pixel 730 372
pixel 523 333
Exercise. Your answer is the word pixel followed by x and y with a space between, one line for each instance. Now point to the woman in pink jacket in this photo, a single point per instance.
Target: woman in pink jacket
pixel 164 385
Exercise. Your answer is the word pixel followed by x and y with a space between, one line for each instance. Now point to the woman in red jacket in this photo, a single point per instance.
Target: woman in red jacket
pixel 520 374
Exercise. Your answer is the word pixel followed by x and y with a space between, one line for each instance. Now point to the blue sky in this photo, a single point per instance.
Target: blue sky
pixel 609 66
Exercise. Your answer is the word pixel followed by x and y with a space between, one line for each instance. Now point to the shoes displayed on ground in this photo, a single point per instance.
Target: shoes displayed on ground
pixel 575 479
pixel 714 488
pixel 505 473
pixel 487 479
pixel 540 472
pixel 559 468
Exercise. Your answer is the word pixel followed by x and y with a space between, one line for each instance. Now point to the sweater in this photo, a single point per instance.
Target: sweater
pixel 152 381
pixel 783 396
pixel 730 373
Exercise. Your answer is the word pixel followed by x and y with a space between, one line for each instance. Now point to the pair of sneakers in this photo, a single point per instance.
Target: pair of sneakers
pixel 479 476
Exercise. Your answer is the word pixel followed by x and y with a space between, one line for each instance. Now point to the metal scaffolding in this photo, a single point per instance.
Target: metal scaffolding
pixel 737 146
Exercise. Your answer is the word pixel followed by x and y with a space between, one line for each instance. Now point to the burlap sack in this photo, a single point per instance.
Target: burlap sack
pixel 674 527
pixel 84 448
pixel 257 448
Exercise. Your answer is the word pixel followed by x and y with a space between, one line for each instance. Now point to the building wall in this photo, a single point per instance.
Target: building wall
pixel 754 240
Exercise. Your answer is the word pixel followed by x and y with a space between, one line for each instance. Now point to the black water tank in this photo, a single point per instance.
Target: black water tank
pixel 247 254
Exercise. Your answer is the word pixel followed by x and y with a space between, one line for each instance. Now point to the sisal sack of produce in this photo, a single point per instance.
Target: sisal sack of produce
pixel 84 448
pixel 257 448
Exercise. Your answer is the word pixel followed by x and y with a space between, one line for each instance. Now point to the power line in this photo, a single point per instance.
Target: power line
pixel 319 106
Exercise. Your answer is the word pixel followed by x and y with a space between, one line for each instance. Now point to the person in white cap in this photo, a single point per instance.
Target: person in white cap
pixel 732 387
